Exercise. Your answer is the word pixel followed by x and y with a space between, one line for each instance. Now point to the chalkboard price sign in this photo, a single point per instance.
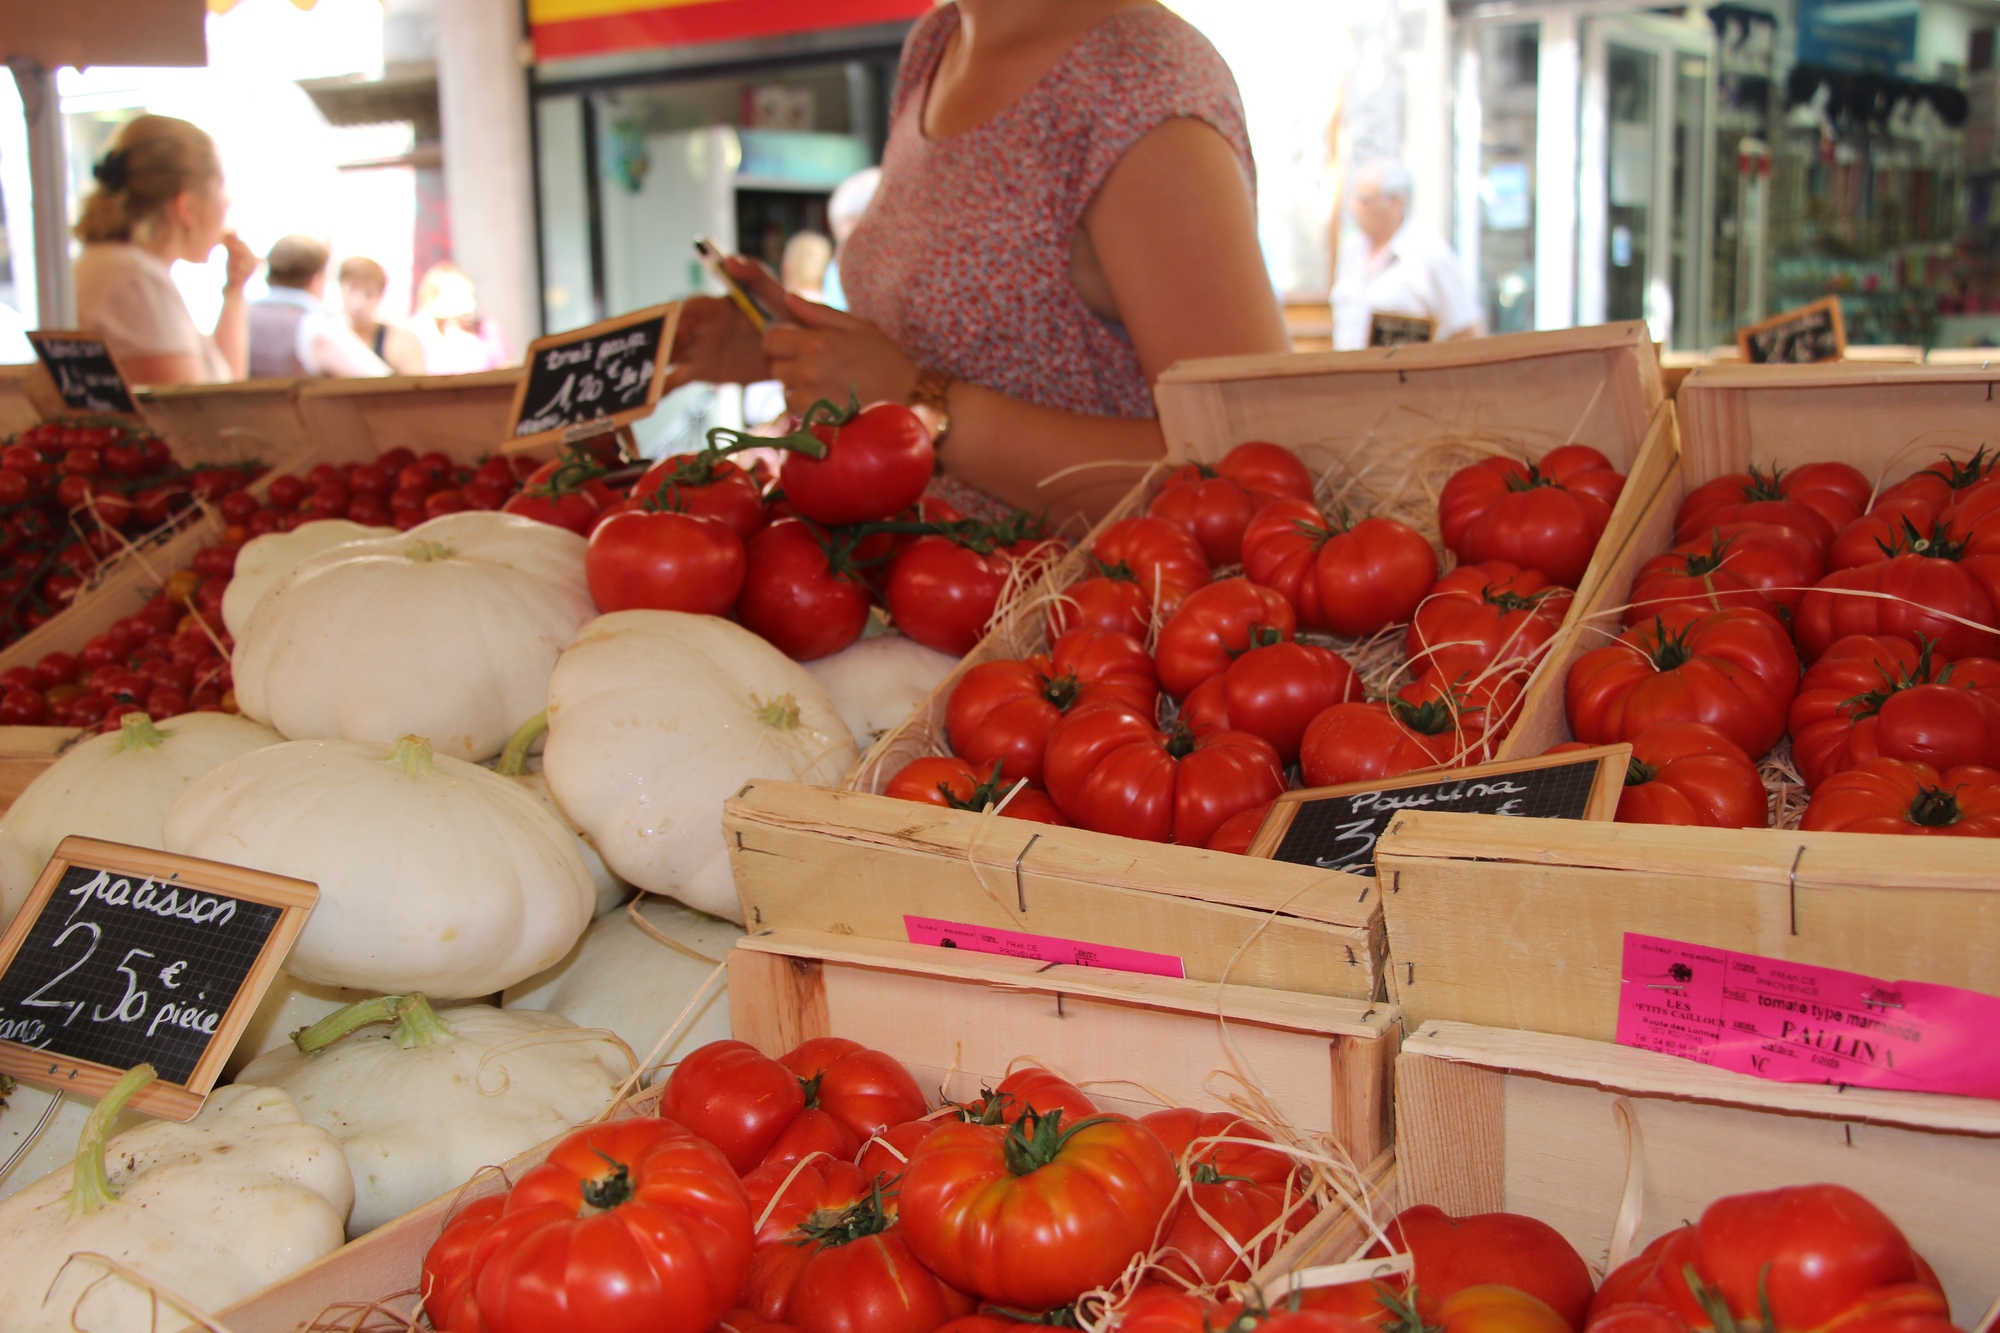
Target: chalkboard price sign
pixel 124 954
pixel 1811 333
pixel 593 380
pixel 83 371
pixel 1387 330
pixel 1335 828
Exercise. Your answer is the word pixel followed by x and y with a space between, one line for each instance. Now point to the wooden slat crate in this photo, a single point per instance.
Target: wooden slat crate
pixel 227 423
pixel 27 398
pixel 1362 416
pixel 25 752
pixel 356 421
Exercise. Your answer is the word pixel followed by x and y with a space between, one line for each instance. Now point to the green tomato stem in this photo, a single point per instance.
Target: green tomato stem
pixel 90 1185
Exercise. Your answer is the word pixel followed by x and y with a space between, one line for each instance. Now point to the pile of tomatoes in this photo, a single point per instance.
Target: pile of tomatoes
pixel 802 556
pixel 400 489
pixel 1868 634
pixel 74 495
pixel 820 1192
pixel 1191 741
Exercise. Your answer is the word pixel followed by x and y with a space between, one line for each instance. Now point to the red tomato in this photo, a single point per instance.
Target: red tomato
pixel 1922 496
pixel 1213 510
pixel 735 1097
pixel 1223 1228
pixel 1236 833
pixel 951 782
pixel 1281 552
pixel 1372 575
pixel 1002 711
pixel 1033 1090
pixel 1544 516
pixel 787 1196
pixel 1110 770
pixel 1268 471
pixel 944 592
pixel 1690 773
pixel 864 1090
pixel 706 484
pixel 546 502
pixel 635 1226
pixel 800 590
pixel 1213 626
pixel 446 1279
pixel 885 1155
pixel 1779 562
pixel 855 1275
pixel 1817 499
pixel 1895 796
pixel 1482 705
pixel 1735 670
pixel 1194 1138
pixel 22 707
pixel 1163 559
pixel 1273 691
pixel 1381 739
pixel 1034 1214
pixel 1954 569
pixel 872 464
pixel 1699 579
pixel 1491 612
pixel 665 561
pixel 1875 695
pixel 1116 604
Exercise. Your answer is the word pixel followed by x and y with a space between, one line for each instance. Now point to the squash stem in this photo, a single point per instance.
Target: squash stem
pixel 417 1024
pixel 136 731
pixel 514 759
pixel 413 755
pixel 780 714
pixel 90 1185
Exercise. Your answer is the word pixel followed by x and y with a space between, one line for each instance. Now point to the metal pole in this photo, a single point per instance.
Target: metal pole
pixel 47 175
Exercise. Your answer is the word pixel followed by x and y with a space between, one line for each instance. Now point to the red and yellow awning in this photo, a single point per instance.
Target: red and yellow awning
pixel 567 28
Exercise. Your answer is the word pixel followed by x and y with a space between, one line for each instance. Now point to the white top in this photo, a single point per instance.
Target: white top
pixel 1414 274
pixel 325 343
pixel 126 296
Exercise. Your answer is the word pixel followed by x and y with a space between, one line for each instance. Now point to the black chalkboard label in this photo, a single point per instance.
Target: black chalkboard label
pixel 1798 337
pixel 1387 330
pixel 83 371
pixel 124 955
pixel 1336 828
pixel 608 374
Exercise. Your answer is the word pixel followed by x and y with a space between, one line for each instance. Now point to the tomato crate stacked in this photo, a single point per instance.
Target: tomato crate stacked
pixel 463 416
pixel 227 423
pixel 1377 424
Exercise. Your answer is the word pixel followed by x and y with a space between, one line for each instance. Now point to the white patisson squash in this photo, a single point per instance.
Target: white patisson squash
pixel 656 718
pixel 622 977
pixel 264 560
pixel 447 631
pixel 420 1101
pixel 56 1144
pixel 876 683
pixel 289 1006
pixel 239 1197
pixel 434 874
pixel 515 763
pixel 118 786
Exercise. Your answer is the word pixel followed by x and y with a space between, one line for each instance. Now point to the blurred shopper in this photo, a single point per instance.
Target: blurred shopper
pixel 803 267
pixel 455 340
pixel 159 198
pixel 843 213
pixel 1393 266
pixel 362 282
pixel 292 332
pixel 1065 210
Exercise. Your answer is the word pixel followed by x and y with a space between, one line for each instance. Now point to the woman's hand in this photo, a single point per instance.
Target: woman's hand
pixel 243 263
pixel 829 354
pixel 715 344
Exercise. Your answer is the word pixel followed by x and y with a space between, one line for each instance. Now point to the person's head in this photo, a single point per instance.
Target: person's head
pixel 803 266
pixel 446 293
pixel 160 185
pixel 298 261
pixel 1379 198
pixel 849 201
pixel 362 282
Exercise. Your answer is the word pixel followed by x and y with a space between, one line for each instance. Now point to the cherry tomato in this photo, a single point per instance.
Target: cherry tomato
pixel 1735 670
pixel 665 562
pixel 13 487
pixel 1273 691
pixel 1111 770
pixel 800 590
pixel 23 707
pixel 1215 625
pixel 874 463
pixel 1545 516
pixel 1003 711
pixel 57 668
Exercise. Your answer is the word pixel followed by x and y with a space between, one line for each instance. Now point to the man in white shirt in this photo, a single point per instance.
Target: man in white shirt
pixel 1393 267
pixel 292 332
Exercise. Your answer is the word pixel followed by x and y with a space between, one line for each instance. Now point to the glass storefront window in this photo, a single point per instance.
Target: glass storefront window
pixel 1508 56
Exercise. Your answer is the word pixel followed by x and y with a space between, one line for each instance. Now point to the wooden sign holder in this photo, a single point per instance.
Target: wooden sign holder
pixel 670 313
pixel 40 336
pixel 173 1101
pixel 1388 329
pixel 1830 304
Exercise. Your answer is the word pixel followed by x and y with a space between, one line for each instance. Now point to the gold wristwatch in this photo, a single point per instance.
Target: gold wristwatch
pixel 931 399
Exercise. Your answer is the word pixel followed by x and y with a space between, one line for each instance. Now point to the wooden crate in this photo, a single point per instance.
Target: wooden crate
pixel 1488 1119
pixel 27 398
pixel 356 421
pixel 25 752
pixel 227 423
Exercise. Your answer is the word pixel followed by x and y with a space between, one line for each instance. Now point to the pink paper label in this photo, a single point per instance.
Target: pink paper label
pixel 1041 948
pixel 1795 1023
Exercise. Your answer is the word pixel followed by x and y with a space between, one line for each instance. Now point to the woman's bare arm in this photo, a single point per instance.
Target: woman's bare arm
pixel 179 369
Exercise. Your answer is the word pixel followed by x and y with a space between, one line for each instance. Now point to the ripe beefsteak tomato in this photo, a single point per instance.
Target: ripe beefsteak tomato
pixel 1034 1214
pixel 801 591
pixel 1383 738
pixel 1895 796
pixel 1213 510
pixel 1875 695
pixel 1482 705
pixel 1372 575
pixel 1214 626
pixel 1281 552
pixel 665 561
pixel 1268 471
pixel 1735 670
pixel 1544 516
pixel 865 1090
pixel 627 1227
pixel 943 591
pixel 1112 770
pixel 1779 563
pixel 1160 557
pixel 786 1197
pixel 1002 712
pixel 1236 833
pixel 446 1279
pixel 1115 603
pixel 871 462
pixel 1273 691
pixel 1491 612
pixel 1922 496
pixel 1816 500
pixel 1689 773
pixel 1921 583
pixel 1242 1188
pixel 949 781
pixel 853 1273
pixel 756 1109
pixel 1031 1090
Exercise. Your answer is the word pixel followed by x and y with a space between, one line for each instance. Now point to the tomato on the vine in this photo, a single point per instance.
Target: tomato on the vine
pixel 801 591
pixel 1161 558
pixel 951 782
pixel 1872 695
pixel 1112 770
pixel 1735 670
pixel 1545 516
pixel 665 561
pixel 1883 795
pixel 708 484
pixel 854 464
pixel 1213 626
pixel 1490 612
pixel 1002 711
pixel 1273 691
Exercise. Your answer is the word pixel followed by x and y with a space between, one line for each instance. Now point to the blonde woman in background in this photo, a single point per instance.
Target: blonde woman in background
pixel 362 282
pixel 160 198
pixel 456 341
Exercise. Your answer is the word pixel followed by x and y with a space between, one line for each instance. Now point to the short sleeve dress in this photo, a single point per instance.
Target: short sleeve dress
pixel 963 256
pixel 126 296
